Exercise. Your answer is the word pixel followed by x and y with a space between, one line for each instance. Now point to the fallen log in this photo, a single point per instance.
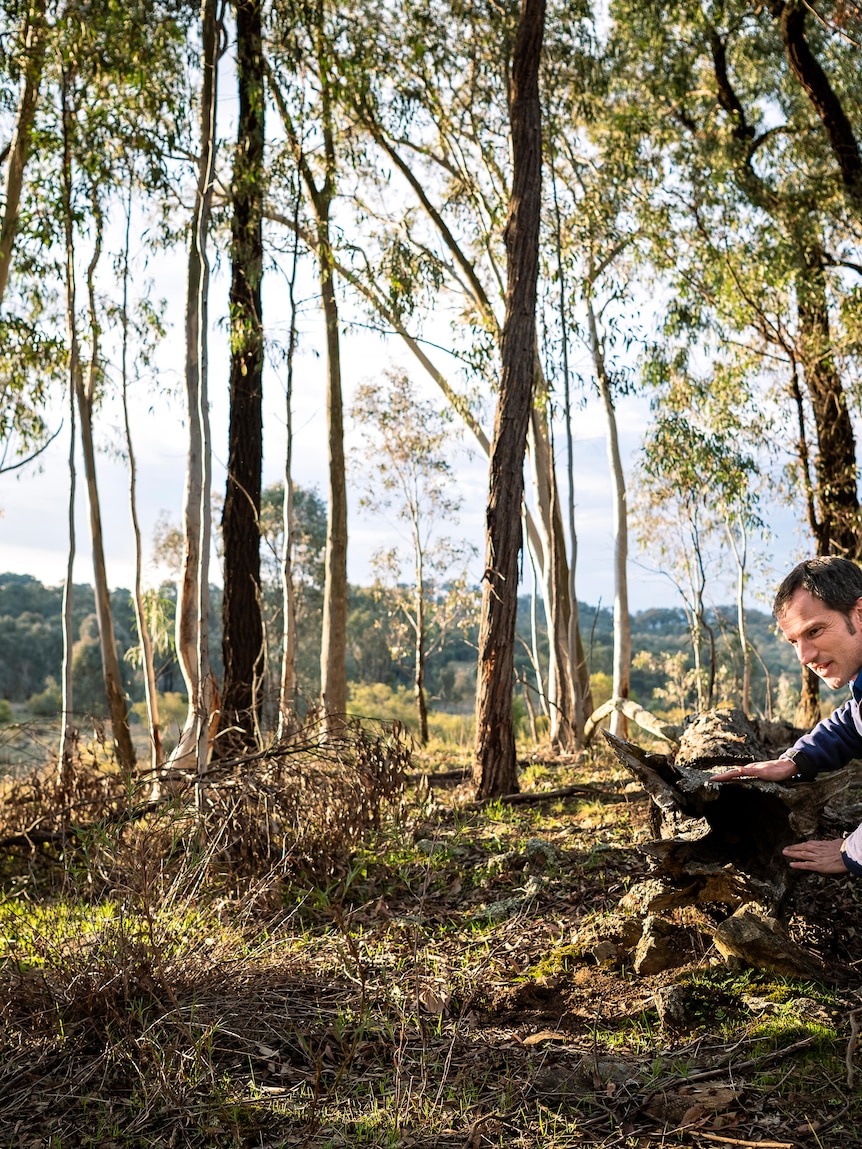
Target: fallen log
pixel 637 714
pixel 720 844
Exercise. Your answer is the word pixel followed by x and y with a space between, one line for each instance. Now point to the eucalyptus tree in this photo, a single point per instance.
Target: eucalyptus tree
pixel 495 764
pixel 433 98
pixel 752 110
pixel 30 352
pixel 308 47
pixel 408 442
pixel 242 643
pixel 696 489
pixel 94 113
pixel 145 642
pixel 193 605
pixel 28 60
pixel 589 275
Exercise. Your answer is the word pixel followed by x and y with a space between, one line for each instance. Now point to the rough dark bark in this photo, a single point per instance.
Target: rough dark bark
pixel 815 83
pixel 720 845
pixel 19 150
pixel 838 505
pixel 243 625
pixel 333 647
pixel 495 766
pixel 831 499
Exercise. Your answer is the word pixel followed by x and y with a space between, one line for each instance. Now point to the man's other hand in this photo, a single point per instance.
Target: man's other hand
pixel 776 771
pixel 822 857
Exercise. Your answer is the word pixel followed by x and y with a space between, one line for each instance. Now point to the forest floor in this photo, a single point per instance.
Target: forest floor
pixel 442 987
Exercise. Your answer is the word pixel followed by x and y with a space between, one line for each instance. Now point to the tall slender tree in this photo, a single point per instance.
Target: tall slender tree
pixel 193 606
pixel 33 45
pixel 242 643
pixel 495 764
pixel 306 41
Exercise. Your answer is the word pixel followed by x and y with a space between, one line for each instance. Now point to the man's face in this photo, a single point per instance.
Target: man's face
pixel 827 641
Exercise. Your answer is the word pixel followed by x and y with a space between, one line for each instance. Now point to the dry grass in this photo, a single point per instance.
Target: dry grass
pixel 302 959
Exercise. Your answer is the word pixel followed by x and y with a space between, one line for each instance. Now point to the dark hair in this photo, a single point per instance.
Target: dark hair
pixel 835 581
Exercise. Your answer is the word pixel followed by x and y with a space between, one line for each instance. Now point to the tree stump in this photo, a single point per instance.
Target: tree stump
pixel 720 844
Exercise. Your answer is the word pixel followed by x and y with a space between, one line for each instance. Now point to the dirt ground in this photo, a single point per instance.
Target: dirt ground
pixel 461 981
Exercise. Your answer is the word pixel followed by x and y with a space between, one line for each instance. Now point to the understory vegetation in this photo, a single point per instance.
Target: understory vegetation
pixel 328 945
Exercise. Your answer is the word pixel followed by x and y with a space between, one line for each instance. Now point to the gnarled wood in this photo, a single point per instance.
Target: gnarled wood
pixel 638 715
pixel 721 844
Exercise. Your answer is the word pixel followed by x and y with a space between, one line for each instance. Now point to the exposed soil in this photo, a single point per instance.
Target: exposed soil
pixel 442 991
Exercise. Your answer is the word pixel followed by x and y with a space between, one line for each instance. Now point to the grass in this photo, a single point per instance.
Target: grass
pixel 164 983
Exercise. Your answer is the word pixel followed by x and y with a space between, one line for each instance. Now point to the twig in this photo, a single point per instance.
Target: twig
pixel 736 1141
pixel 851 1044
pixel 717 1071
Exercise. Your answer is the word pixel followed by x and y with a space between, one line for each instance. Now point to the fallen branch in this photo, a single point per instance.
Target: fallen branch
pixel 531 797
pixel 461 775
pixel 637 714
pixel 727 1063
pixel 737 1141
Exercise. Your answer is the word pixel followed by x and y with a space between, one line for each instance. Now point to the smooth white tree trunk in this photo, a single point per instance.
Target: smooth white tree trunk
pixel 622 618
pixel 192 636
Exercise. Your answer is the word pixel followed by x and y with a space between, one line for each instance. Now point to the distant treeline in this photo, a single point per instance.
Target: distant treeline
pixel 31 650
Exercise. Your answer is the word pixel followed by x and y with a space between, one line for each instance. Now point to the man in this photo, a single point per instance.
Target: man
pixel 819 611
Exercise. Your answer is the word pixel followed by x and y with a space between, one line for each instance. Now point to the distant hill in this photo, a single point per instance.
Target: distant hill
pixel 31 648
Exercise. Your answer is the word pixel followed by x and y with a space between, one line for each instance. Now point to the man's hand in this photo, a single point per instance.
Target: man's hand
pixel 775 771
pixel 822 857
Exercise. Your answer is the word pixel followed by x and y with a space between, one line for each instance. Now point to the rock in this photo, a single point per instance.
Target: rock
pixel 608 940
pixel 671 1008
pixel 663 945
pixel 542 854
pixel 761 941
pixel 608 954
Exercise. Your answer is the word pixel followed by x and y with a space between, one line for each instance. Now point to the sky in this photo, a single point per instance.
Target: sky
pixel 34 500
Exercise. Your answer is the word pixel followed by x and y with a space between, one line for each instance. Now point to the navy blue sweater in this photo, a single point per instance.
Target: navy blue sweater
pixel 833 743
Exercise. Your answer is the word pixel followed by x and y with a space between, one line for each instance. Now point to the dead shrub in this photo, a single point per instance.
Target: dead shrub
pixel 301 805
pixel 306 804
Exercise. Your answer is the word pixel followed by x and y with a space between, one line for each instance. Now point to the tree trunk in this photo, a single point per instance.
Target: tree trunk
pixel 622 620
pixel 740 553
pixel 192 626
pixel 242 644
pixel 569 691
pixel 534 633
pixel 84 395
pixel 836 457
pixel 580 681
pixel 287 719
pixel 824 100
pixel 34 61
pixel 67 730
pixel 144 640
pixel 419 662
pixel 333 647
pixel 495 766
pixel 108 643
